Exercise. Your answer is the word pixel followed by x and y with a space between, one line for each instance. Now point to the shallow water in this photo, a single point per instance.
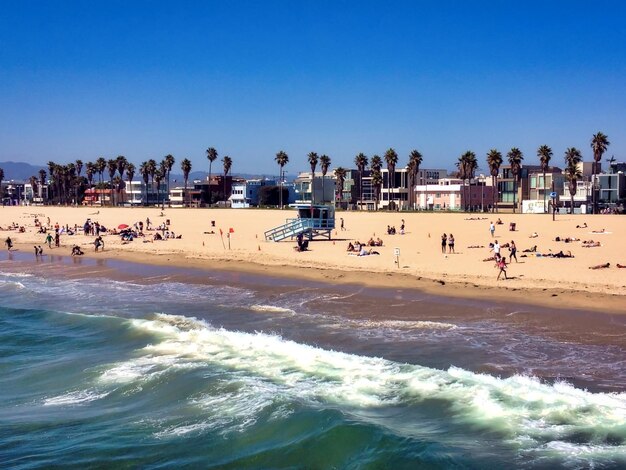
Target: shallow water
pixel 112 363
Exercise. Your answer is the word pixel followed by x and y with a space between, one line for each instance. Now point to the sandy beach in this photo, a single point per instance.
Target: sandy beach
pixel 554 282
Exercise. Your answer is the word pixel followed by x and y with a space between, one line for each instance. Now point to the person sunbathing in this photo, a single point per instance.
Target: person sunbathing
pixel 533 235
pixel 621 266
pixel 531 250
pixel 590 244
pixel 600 266
pixel 350 247
pixel 584 225
pixel 598 231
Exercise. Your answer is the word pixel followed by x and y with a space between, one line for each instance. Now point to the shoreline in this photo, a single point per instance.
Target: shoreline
pixel 558 298
pixel 233 240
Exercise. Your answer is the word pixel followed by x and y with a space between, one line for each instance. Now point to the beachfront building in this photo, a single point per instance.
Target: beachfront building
pixel 246 193
pixel 454 194
pixel 582 198
pixel 539 189
pixel 206 192
pixel 323 188
pixel 612 189
pixel 400 195
pixel 12 193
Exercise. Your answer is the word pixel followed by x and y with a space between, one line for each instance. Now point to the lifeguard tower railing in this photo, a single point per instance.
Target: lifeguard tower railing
pixel 312 221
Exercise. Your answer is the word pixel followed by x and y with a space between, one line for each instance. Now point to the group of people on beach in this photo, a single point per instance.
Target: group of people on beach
pixel 449 241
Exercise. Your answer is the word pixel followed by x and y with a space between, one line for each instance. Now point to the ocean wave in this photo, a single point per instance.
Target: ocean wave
pixel 77 397
pixel 522 407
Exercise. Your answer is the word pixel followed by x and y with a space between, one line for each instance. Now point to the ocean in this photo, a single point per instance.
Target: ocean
pixel 111 364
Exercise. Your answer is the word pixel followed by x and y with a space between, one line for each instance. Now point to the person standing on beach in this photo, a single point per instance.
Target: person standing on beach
pixel 492 229
pixel 502 267
pixel 513 251
pixel 57 239
pixel 444 239
pixel 451 244
pixel 496 250
pixel 342 226
pixel 9 243
pixel 49 240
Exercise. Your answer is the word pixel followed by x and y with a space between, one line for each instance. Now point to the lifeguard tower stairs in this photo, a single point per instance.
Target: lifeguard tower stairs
pixel 313 221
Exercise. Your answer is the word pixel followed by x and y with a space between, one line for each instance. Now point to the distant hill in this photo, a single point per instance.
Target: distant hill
pixel 20 171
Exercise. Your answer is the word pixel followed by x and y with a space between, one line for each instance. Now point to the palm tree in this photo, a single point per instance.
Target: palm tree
pixel 340 174
pixel 494 160
pixel 376 165
pixel 42 182
pixel 228 163
pixel 101 165
pixel 69 181
pixel 112 167
pixel 282 159
pixel 33 184
pixel 599 144
pixel 144 171
pixel 545 154
pixel 169 164
pixel 159 175
pixel 361 162
pixel 324 164
pixel 312 157
pixel 163 170
pixel 415 160
pixel 515 158
pixel 51 172
pixel 152 169
pixel 391 157
pixel 121 166
pixel 185 166
pixel 130 174
pixel 572 172
pixel 467 165
pixel 377 181
pixel 211 155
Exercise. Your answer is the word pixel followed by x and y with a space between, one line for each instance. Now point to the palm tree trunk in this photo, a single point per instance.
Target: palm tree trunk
pixel 544 193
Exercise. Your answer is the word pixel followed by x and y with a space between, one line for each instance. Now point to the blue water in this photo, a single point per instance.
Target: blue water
pixel 119 366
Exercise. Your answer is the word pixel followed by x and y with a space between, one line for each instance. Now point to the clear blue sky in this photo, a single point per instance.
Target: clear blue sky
pixel 144 79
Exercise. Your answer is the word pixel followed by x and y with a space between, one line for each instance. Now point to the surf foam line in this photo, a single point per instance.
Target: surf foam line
pixel 534 415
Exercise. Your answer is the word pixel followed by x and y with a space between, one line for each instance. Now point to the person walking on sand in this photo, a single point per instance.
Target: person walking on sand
pixel 451 244
pixel 49 240
pixel 492 229
pixel 502 267
pixel 342 226
pixel 9 243
pixel 496 249
pixel 444 240
pixel 513 251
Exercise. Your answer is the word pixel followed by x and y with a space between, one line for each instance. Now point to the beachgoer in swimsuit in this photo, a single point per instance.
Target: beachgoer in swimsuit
pixel 502 266
pixel 451 244
pixel 444 240
pixel 513 251
pixel 492 229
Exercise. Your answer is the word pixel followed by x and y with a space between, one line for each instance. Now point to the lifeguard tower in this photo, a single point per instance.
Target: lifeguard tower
pixel 313 221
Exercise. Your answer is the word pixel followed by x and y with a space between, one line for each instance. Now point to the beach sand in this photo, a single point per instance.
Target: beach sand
pixel 554 282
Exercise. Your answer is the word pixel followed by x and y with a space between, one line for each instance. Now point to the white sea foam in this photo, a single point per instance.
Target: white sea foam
pixel 271 309
pixel 78 397
pixel 18 275
pixel 533 414
pixel 406 324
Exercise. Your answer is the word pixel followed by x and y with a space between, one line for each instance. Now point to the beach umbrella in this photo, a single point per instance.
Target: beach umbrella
pixel 122 226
